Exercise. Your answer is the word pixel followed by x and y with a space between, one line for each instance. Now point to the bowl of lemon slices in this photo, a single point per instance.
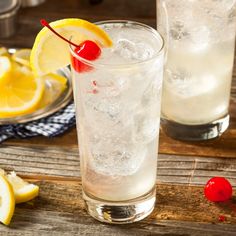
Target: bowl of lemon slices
pixel 26 97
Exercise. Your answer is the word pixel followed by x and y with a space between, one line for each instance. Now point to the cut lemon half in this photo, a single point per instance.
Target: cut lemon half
pixel 54 86
pixel 5 70
pixel 23 190
pixel 22 56
pixel 50 53
pixel 7 203
pixel 22 94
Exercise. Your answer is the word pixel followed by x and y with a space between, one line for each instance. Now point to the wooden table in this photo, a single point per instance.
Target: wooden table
pixel 183 167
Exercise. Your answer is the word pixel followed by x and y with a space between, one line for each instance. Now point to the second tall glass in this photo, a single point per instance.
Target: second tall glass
pixel 200 38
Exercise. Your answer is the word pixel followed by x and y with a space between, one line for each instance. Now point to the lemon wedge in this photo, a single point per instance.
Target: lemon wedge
pixel 7 203
pixel 5 70
pixel 4 51
pixel 21 94
pixel 23 190
pixel 54 86
pixel 50 53
pixel 22 56
pixel 2 172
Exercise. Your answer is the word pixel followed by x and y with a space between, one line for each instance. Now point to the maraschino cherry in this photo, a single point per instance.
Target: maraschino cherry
pixel 88 50
pixel 218 189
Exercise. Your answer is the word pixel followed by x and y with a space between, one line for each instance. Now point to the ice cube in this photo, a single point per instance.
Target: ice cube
pixel 223 4
pixel 137 51
pixel 232 13
pixel 178 80
pixel 186 85
pixel 200 37
pixel 178 30
pixel 152 93
pixel 146 129
pixel 114 85
pixel 116 159
pixel 143 52
pixel 109 108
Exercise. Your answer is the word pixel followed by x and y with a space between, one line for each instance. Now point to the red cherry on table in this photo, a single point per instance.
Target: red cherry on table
pixel 218 189
pixel 88 50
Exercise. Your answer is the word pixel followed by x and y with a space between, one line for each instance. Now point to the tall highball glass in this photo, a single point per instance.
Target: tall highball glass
pixel 118 99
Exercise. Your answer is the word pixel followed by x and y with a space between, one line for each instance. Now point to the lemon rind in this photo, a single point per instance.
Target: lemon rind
pixel 6 215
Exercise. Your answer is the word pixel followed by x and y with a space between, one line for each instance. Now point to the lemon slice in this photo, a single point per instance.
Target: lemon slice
pixel 7 203
pixel 23 190
pixel 4 51
pixel 2 172
pixel 50 53
pixel 54 86
pixel 5 70
pixel 22 56
pixel 21 94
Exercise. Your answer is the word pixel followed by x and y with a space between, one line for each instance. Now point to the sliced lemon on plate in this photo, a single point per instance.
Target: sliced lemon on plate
pixel 54 86
pixel 22 94
pixel 50 53
pixel 4 52
pixel 2 172
pixel 22 56
pixel 23 190
pixel 7 203
pixel 5 70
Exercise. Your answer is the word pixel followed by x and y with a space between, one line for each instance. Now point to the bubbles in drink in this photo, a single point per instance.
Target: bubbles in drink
pixel 198 71
pixel 129 46
pixel 135 51
pixel 120 122
pixel 200 37
pixel 116 158
pixel 146 129
pixel 178 30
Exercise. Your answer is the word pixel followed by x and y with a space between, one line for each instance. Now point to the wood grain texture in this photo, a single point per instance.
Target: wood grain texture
pixel 60 210
pixel 58 162
pixel 224 146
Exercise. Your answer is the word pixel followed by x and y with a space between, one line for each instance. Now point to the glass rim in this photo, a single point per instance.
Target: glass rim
pixel 125 64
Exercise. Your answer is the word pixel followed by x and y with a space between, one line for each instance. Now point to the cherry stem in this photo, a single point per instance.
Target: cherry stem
pixel 46 24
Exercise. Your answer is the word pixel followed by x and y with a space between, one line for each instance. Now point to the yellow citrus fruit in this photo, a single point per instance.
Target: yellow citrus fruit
pixel 4 52
pixel 21 94
pixel 5 70
pixel 23 190
pixel 54 86
pixel 7 203
pixel 50 53
pixel 22 56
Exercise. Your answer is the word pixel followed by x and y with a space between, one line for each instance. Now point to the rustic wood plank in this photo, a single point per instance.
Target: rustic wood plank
pixel 175 169
pixel 53 9
pixel 179 211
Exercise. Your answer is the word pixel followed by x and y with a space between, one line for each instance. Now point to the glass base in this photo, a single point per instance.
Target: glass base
pixel 121 212
pixel 195 132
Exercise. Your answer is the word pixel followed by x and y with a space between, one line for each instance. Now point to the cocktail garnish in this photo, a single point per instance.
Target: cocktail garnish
pixel 88 49
pixel 218 189
pixel 46 24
